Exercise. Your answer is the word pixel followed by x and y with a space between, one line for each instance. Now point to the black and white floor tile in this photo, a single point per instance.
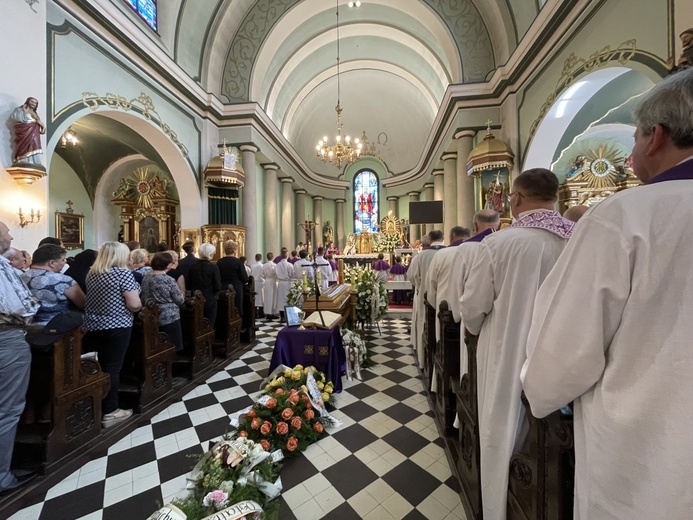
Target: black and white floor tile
pixel 384 462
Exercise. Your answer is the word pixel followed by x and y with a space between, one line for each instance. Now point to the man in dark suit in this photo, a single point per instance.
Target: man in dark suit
pixel 189 260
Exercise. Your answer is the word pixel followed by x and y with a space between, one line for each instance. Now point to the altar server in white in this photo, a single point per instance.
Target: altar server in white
pixel 497 305
pixel 440 275
pixel 417 276
pixel 302 266
pixel 256 273
pixel 613 326
pixel 285 277
pixel 269 287
pixel 324 268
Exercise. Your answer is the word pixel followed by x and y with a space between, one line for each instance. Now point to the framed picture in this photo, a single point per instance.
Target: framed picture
pixel 292 317
pixel 69 227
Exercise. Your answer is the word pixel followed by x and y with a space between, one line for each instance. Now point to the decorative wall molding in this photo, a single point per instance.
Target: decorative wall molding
pixel 142 104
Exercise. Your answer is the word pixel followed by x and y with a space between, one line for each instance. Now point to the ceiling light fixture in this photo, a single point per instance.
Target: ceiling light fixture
pixel 354 4
pixel 343 151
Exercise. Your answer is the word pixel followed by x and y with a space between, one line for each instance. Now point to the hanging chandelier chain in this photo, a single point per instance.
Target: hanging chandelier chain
pixel 338 86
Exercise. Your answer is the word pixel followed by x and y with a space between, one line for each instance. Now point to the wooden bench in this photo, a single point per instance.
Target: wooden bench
pixel 248 329
pixel 75 389
pixel 429 342
pixel 446 360
pixel 469 450
pixel 542 477
pixel 198 336
pixel 147 377
pixel 228 324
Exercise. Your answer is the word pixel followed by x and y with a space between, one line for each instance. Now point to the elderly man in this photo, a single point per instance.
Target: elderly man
pixel 497 305
pixel 417 276
pixel 17 308
pixel 612 328
pixel 16 259
pixel 575 213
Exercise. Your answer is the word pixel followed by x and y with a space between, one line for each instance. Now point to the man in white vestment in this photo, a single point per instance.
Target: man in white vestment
pixel 497 305
pixel 417 276
pixel 285 277
pixel 269 287
pixel 302 266
pixel 324 268
pixel 411 274
pixel 256 273
pixel 613 326
pixel 440 275
pixel 486 221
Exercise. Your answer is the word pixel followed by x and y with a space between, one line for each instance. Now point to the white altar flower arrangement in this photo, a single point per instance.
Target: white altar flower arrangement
pixel 295 296
pixel 356 353
pixel 387 242
pixel 371 297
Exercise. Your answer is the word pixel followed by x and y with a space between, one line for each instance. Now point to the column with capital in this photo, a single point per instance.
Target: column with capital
pixel 317 217
pixel 438 193
pixel 414 229
pixel 465 183
pixel 429 194
pixel 288 220
pixel 393 205
pixel 449 191
pixel 301 215
pixel 340 238
pixel 250 199
pixel 271 205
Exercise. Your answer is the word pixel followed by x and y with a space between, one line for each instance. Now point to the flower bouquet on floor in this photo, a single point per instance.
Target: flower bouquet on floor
pixel 371 297
pixel 357 354
pixel 237 478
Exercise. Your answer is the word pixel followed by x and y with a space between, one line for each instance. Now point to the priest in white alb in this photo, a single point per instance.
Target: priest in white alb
pixel 417 276
pixel 269 287
pixel 613 328
pixel 412 275
pixel 285 277
pixel 256 273
pixel 497 305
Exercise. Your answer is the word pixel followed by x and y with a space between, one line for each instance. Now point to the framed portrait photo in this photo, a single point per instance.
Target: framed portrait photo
pixel 69 227
pixel 292 317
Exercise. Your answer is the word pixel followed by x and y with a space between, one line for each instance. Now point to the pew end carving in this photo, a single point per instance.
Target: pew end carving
pixel 198 336
pixel 148 372
pixel 75 389
pixel 228 324
pixel 542 474
pixel 446 360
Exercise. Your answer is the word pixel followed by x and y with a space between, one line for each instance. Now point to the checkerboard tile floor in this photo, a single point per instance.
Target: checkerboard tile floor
pixel 384 462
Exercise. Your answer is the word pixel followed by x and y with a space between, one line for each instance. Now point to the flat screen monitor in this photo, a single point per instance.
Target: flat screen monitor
pixel 426 212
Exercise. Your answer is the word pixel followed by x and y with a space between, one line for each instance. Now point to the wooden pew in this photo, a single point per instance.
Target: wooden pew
pixel 542 475
pixel 198 336
pixel 468 468
pixel 429 342
pixel 148 371
pixel 446 360
pixel 248 329
pixel 75 388
pixel 228 324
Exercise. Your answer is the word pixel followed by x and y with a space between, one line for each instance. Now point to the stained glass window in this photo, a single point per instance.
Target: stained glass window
pixel 366 201
pixel 146 9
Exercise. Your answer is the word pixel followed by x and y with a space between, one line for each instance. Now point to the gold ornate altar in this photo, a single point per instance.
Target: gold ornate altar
pixel 392 235
pixel 217 234
pixel 594 175
pixel 147 210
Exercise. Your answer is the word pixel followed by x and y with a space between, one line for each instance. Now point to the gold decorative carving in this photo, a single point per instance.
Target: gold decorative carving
pixel 142 104
pixel 574 66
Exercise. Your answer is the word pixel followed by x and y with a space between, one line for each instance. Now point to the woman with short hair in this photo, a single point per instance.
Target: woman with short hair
pixel 138 264
pixel 112 298
pixel 164 291
pixel 204 277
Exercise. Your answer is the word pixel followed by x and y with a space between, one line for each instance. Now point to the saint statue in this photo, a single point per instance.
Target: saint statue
pixel 686 59
pixel 27 134
pixel 495 198
pixel 327 233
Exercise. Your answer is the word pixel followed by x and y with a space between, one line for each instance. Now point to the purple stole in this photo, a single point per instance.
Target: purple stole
pixel 457 242
pixel 292 261
pixel 551 221
pixel 680 172
pixel 277 259
pixel 398 269
pixel 381 265
pixel 480 236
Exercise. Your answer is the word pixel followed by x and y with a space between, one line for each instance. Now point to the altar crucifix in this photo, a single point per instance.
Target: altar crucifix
pixel 308 226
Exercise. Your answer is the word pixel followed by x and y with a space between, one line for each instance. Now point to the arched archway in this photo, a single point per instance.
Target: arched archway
pixel 162 151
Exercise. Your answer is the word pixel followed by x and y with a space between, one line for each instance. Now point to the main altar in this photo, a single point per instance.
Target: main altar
pixel 363 248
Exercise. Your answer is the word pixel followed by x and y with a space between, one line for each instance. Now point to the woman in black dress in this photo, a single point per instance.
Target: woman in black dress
pixel 204 276
pixel 233 272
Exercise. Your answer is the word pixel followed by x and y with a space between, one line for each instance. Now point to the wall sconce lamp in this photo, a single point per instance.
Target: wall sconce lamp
pixel 34 217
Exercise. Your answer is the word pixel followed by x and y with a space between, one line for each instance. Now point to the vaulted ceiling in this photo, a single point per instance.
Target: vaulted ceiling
pixel 397 59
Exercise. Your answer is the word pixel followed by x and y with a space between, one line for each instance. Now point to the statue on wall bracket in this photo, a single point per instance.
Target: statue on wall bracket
pixel 28 128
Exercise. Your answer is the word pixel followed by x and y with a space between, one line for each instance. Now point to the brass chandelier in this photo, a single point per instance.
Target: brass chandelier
pixel 343 151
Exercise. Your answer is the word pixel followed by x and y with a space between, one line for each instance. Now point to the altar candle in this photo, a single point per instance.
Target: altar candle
pixel 340 266
pixel 305 282
pixel 319 276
